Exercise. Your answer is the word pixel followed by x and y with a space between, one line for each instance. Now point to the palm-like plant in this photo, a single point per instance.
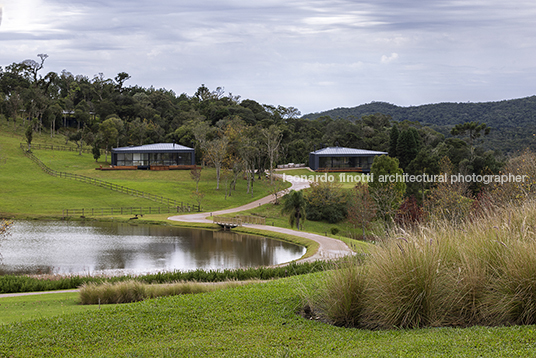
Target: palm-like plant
pixel 294 204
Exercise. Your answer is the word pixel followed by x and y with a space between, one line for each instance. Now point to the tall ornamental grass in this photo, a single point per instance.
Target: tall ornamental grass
pixel 479 272
pixel 134 291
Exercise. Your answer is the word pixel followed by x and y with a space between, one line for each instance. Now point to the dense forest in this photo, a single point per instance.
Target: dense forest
pixel 240 135
pixel 513 122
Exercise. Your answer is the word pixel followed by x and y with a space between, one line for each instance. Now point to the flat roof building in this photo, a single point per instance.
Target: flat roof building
pixel 159 154
pixel 342 159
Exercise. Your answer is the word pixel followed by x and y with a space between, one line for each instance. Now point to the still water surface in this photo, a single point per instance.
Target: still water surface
pixel 62 247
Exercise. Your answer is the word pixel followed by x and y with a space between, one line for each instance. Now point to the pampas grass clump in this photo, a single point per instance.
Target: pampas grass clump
pixel 479 272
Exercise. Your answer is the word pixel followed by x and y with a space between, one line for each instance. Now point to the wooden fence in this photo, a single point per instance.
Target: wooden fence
pixel 132 210
pixel 59 147
pixel 252 219
pixel 110 186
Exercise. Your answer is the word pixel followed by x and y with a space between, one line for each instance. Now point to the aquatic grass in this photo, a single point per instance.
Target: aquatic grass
pixel 13 283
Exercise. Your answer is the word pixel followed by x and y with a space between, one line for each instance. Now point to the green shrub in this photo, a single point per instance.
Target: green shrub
pixel 326 201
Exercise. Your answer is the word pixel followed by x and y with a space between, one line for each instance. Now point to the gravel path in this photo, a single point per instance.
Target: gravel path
pixel 34 293
pixel 329 248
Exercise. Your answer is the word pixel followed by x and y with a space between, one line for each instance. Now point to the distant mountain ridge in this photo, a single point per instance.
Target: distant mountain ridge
pixel 501 114
pixel 513 121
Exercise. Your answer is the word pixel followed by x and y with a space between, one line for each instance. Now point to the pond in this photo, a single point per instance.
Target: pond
pixel 91 248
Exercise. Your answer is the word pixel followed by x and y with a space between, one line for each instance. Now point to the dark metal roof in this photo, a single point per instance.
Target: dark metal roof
pixel 341 151
pixel 154 148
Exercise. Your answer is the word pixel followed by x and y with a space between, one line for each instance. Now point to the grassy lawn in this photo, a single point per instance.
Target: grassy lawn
pixel 258 320
pixel 24 308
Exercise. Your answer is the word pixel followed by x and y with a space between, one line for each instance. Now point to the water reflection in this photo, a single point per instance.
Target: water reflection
pixel 93 248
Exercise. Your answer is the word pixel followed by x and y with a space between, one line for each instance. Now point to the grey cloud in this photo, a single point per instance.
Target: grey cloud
pixel 313 55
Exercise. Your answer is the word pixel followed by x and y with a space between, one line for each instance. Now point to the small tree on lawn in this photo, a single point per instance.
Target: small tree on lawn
pixel 278 189
pixel 361 208
pixel 294 204
pixel 195 174
pixel 326 201
pixel 198 198
pixel 272 139
pixel 96 151
pixel 29 136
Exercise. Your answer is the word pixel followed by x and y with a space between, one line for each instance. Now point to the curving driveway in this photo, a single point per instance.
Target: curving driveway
pixel 329 248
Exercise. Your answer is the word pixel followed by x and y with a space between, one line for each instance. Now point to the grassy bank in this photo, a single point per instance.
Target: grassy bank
pixel 257 320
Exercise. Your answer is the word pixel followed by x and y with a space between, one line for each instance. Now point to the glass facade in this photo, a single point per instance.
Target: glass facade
pixel 147 159
pixel 345 162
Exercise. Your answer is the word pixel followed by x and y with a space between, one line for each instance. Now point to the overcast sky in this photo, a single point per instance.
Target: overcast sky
pixel 312 55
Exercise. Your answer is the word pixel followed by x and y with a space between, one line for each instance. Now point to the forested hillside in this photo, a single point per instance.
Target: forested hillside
pixel 513 122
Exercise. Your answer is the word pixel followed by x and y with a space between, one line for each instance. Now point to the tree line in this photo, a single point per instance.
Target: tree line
pixel 234 135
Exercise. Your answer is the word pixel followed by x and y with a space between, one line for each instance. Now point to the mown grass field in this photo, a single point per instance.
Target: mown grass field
pixel 259 320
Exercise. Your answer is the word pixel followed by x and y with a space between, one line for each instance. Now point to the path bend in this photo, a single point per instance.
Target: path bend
pixel 329 248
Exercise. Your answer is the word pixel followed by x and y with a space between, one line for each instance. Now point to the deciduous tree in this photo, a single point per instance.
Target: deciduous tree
pixel 272 139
